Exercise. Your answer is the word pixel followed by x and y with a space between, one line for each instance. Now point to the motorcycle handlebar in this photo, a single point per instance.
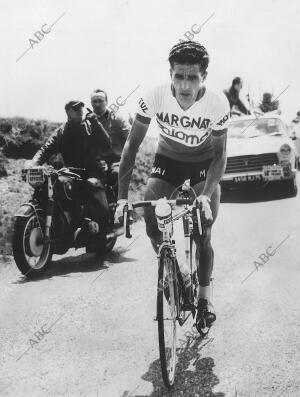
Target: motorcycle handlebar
pixel 75 169
pixel 50 168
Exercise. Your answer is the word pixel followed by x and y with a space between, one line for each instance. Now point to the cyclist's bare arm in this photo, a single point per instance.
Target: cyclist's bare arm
pixel 218 164
pixel 134 139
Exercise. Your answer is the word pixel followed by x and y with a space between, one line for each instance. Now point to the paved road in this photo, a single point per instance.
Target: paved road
pixel 87 328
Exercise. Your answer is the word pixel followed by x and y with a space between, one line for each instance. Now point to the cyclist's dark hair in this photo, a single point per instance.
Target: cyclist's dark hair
pixel 97 90
pixel 191 53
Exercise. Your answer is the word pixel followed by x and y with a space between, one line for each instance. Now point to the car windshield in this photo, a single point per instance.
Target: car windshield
pixel 255 128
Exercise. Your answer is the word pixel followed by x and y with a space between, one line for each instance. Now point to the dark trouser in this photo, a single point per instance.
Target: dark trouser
pixel 113 174
pixel 97 205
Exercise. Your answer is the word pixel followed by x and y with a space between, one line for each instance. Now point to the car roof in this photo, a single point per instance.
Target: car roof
pixel 252 117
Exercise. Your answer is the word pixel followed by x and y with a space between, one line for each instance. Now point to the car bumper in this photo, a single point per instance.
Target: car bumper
pixel 258 176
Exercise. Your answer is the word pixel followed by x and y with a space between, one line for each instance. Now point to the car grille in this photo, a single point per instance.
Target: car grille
pixel 250 163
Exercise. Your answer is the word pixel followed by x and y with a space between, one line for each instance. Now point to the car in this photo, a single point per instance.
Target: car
pixel 260 150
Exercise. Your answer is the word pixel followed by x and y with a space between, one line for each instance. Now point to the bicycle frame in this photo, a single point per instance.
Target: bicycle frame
pixel 186 216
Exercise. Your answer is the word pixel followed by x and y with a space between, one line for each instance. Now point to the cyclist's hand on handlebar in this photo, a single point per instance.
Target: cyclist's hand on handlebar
pixel 119 214
pixel 203 202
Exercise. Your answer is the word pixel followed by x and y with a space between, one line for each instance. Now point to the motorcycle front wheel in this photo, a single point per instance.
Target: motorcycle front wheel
pixel 31 253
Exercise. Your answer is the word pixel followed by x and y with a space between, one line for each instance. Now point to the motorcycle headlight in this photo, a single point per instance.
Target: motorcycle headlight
pixel 68 187
pixel 285 150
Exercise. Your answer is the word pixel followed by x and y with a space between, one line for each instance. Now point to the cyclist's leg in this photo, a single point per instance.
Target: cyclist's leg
pixel 204 250
pixel 156 188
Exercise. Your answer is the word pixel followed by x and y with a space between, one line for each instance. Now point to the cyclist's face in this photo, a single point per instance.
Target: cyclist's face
pixel 99 103
pixel 187 81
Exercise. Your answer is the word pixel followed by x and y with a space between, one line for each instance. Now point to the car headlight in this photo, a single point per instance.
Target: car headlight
pixel 285 150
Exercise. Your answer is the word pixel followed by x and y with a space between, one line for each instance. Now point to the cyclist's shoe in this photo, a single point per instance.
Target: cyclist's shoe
pixel 205 316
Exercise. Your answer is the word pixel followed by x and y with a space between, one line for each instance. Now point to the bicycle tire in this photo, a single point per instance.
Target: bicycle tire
pixel 167 267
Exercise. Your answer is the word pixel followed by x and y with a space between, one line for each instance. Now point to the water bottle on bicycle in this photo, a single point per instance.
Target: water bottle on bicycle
pixel 163 213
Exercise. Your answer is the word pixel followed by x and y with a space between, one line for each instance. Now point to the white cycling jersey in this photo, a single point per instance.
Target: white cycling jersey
pixel 185 135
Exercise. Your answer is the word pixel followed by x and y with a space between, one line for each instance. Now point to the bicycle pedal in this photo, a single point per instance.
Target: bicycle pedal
pixel 202 327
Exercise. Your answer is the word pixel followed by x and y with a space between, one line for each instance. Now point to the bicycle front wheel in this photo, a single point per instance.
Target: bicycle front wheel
pixel 167 297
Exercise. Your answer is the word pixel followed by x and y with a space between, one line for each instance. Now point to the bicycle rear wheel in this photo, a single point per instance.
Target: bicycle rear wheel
pixel 167 297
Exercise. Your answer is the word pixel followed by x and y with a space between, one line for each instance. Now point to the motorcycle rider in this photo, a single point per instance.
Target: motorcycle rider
pixel 233 97
pixel 117 129
pixel 82 144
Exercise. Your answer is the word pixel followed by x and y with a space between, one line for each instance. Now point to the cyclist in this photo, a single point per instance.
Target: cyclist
pixel 192 124
pixel 117 129
pixel 269 105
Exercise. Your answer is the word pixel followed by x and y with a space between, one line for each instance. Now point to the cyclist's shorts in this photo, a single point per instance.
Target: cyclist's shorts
pixel 176 172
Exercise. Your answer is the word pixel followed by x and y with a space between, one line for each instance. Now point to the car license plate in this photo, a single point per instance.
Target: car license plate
pixel 247 178
pixel 272 172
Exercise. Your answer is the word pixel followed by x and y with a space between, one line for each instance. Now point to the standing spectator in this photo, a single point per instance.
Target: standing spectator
pixel 117 129
pixel 295 131
pixel 233 96
pixel 297 118
pixel 130 119
pixel 268 105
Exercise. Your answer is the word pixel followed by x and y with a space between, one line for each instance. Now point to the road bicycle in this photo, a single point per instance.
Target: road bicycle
pixel 175 302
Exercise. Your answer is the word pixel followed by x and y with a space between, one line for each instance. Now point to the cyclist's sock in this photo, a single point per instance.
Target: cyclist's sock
pixel 204 293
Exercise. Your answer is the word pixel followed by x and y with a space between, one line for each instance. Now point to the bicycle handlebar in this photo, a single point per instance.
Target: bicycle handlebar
pixel 152 203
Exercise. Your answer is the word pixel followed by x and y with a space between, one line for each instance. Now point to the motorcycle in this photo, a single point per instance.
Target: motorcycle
pixel 55 219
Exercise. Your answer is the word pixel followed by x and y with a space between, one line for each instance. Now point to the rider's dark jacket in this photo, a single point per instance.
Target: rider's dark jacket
pixel 81 145
pixel 118 131
pixel 234 100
